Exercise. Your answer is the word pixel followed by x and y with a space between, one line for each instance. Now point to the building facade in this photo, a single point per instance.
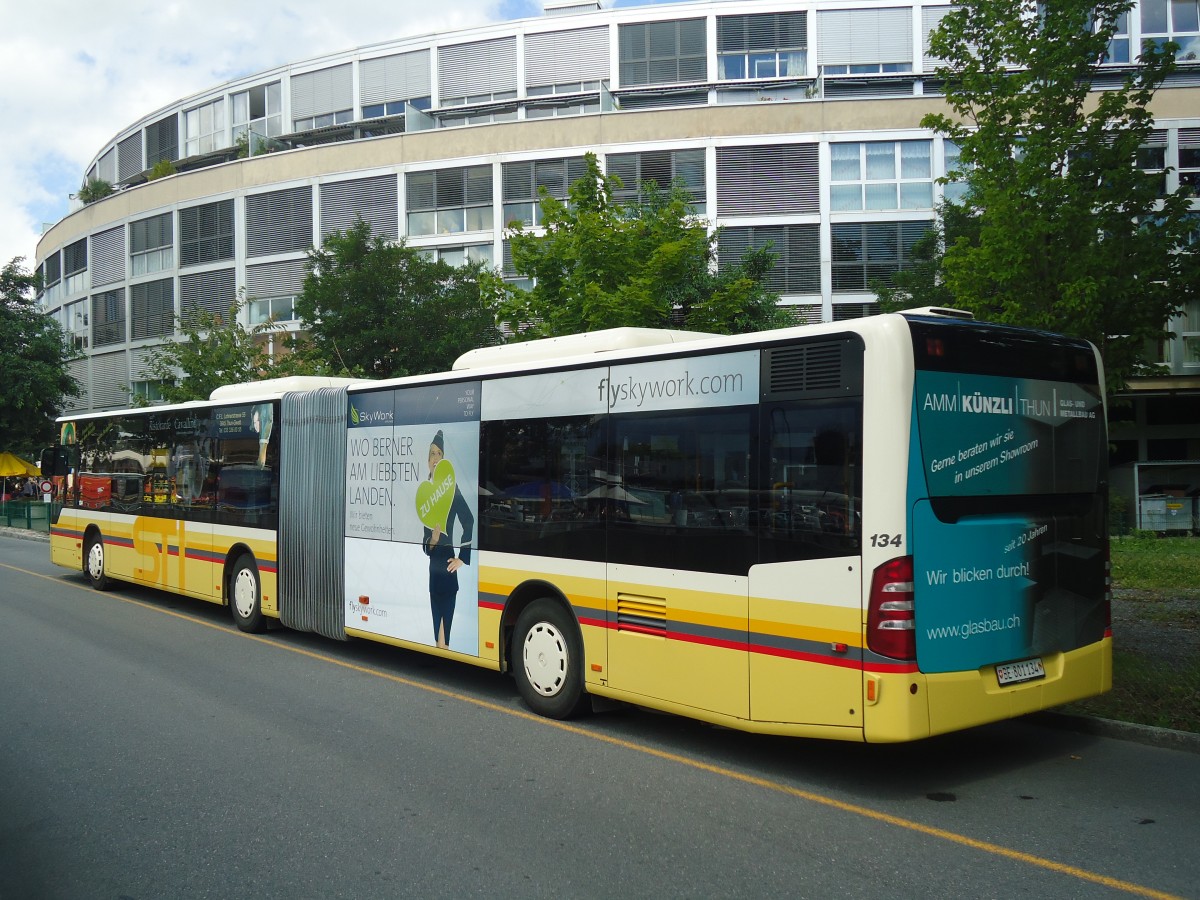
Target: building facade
pixel 792 122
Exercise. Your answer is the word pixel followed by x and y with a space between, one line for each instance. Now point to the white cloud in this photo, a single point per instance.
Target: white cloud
pixel 72 75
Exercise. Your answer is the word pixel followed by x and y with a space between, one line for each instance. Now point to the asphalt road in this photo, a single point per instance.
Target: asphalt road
pixel 150 750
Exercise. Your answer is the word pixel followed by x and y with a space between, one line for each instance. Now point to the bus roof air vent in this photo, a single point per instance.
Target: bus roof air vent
pixel 829 368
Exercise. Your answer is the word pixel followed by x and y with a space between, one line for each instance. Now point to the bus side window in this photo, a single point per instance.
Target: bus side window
pixel 811 480
pixel 677 490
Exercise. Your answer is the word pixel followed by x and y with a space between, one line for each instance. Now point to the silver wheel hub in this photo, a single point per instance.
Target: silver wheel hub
pixel 245 593
pixel 544 656
pixel 95 560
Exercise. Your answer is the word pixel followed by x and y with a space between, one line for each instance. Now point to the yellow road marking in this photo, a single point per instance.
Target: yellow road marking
pixel 766 784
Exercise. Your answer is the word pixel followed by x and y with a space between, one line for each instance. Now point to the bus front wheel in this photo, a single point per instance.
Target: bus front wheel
pixel 245 595
pixel 93 564
pixel 548 661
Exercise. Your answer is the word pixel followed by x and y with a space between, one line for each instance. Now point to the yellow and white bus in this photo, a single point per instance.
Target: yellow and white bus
pixel 876 530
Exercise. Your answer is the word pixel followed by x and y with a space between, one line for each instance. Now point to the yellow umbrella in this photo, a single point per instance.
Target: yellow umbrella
pixel 12 466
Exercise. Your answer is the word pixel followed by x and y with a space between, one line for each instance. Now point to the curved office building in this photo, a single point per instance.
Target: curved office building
pixel 790 122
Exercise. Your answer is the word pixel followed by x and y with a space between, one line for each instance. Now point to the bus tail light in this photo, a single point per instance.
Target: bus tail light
pixel 891 624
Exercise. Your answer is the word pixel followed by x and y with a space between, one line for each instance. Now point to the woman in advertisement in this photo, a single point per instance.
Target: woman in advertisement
pixel 438 544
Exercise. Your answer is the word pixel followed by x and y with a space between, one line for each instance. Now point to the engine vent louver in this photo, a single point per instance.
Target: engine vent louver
pixel 830 368
pixel 645 615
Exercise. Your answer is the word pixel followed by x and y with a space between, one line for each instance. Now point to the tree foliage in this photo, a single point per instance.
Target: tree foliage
pixel 377 309
pixel 601 263
pixel 210 351
pixel 1069 234
pixel 33 364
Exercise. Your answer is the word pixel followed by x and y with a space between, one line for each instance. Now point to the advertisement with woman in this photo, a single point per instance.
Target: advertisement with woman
pixel 412 504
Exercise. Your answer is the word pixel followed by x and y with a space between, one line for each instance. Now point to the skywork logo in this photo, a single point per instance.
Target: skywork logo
pixel 377 417
pixel 638 392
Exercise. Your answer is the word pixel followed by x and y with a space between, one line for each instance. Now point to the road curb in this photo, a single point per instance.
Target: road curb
pixel 1123 731
pixel 24 533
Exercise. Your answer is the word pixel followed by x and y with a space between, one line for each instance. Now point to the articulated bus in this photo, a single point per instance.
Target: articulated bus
pixel 876 530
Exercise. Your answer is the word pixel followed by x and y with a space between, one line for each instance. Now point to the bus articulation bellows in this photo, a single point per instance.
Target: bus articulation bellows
pixel 876 530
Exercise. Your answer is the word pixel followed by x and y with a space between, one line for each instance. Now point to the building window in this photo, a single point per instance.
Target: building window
pixel 395 107
pixel 881 175
pixel 774 45
pixel 273 309
pixel 582 108
pixel 1189 159
pixel 279 221
pixel 108 317
pixel 523 182
pixel 75 322
pixel 1178 21
pixel 480 118
pixel 459 256
pixel 206 233
pixel 1190 330
pixel 797 250
pixel 868 252
pixel 75 264
pixel 152 309
pixel 258 110
pixel 151 245
pixel 162 141
pixel 663 52
pixel 664 168
pixel 1118 45
pixel 449 201
pixel 149 392
pixel 566 87
pixel 204 128
pixel 954 191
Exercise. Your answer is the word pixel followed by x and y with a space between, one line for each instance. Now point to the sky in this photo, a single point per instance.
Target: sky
pixel 73 74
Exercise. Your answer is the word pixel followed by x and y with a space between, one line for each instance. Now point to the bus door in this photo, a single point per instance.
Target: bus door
pixel 676 502
pixel 806 591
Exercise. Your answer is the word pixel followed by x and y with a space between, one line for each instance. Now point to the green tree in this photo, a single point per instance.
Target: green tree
pixel 1071 234
pixel 93 190
pixel 602 264
pixel 377 309
pixel 33 364
pixel 921 284
pixel 211 350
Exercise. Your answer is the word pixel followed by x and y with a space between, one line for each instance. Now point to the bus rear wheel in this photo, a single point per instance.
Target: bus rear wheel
pixel 93 564
pixel 548 661
pixel 245 595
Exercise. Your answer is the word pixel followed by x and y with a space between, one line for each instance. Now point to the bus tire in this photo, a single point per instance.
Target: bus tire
pixel 93 564
pixel 548 661
pixel 245 595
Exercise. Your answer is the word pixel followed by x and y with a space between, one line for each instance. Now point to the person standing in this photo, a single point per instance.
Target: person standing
pixel 444 560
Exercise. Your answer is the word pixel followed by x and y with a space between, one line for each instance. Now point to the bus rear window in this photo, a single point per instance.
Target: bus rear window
pixel 1005 413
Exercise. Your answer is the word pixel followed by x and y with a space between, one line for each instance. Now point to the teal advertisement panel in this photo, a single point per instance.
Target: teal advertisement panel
pixel 1007 519
pixel 983 434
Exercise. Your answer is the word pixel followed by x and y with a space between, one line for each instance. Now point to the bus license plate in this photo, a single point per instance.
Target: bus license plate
pixel 1015 673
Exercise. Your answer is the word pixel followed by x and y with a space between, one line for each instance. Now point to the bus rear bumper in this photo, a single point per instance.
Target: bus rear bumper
pixel 957 700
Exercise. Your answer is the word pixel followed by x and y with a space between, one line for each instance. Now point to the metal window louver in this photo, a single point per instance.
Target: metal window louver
pixel 931 17
pixel 152 308
pixel 279 221
pixel 53 269
pixel 75 257
pixel 864 36
pixel 277 279
pixel 868 252
pixel 129 157
pixel 106 168
pixel 108 318
pixel 764 31
pixel 662 167
pixel 763 180
pixel 373 200
pixel 108 256
pixel 206 233
pixel 480 68
pixel 662 52
pixel 324 91
pixel 521 180
pixel 151 234
pixel 566 56
pixel 110 375
pixel 162 141
pixel 398 77
pixel 210 292
pixel 797 251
